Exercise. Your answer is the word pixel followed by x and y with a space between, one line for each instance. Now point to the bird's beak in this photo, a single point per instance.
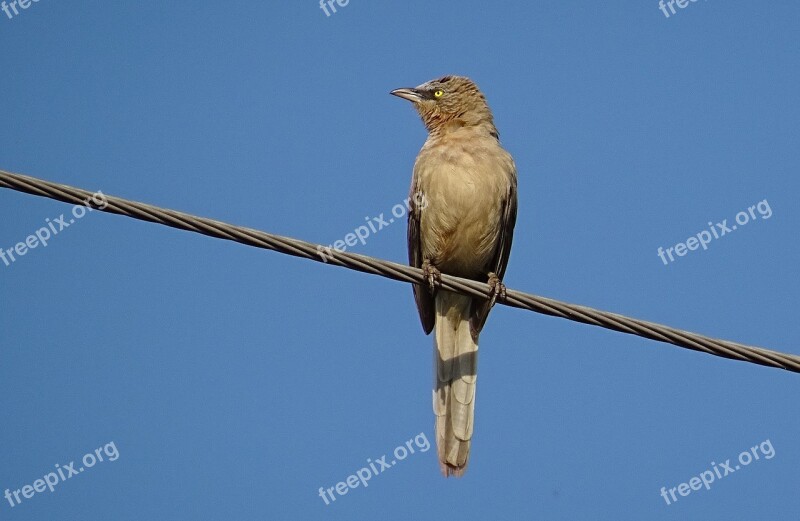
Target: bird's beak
pixel 413 95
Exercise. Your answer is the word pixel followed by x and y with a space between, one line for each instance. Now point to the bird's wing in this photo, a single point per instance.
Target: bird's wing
pixel 508 221
pixel 423 297
pixel 481 308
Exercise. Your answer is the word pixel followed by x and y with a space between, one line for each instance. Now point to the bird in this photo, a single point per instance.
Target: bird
pixel 463 208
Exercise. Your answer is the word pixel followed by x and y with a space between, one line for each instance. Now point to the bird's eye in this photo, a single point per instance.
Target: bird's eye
pixel 438 94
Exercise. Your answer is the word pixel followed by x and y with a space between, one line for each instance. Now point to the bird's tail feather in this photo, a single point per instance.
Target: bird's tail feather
pixel 455 372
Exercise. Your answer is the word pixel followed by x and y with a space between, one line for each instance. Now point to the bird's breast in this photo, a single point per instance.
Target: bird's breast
pixel 464 185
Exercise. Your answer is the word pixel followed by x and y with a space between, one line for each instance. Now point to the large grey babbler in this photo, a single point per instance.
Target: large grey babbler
pixel 461 222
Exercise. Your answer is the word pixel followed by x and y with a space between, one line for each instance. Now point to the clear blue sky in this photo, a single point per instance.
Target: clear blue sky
pixel 235 382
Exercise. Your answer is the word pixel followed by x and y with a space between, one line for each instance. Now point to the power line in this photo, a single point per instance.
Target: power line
pixel 392 270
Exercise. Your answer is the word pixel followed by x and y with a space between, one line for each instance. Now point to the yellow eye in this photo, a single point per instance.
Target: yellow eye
pixel 438 94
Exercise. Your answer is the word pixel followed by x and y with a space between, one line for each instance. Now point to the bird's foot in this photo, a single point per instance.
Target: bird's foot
pixel 498 289
pixel 432 275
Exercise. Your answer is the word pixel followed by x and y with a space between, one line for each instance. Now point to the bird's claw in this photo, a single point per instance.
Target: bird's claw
pixel 432 275
pixel 498 289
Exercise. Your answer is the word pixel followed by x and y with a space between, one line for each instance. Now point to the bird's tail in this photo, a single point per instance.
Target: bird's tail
pixel 455 361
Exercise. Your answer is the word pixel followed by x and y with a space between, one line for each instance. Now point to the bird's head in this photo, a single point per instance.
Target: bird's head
pixel 449 102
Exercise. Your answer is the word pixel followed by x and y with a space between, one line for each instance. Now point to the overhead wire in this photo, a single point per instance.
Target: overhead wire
pixel 400 272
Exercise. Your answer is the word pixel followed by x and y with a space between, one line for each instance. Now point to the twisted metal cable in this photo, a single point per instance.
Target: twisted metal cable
pixel 392 270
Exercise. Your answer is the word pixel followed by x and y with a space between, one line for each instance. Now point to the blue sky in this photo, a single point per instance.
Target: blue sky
pixel 233 383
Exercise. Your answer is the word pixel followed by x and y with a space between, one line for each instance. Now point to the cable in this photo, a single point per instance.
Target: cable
pixel 403 273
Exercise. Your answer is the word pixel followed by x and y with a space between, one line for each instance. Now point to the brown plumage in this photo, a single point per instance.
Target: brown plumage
pixel 464 207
